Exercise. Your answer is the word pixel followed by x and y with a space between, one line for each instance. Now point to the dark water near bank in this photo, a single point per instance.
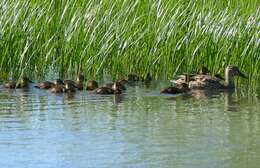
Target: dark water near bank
pixel 140 128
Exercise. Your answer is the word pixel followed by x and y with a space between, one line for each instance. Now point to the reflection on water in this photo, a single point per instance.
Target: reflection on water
pixel 140 128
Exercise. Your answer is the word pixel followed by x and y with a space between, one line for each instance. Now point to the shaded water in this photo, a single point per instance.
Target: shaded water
pixel 140 128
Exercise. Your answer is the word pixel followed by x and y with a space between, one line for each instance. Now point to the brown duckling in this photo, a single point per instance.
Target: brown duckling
pixel 123 81
pixel 58 86
pixel 79 83
pixel 24 83
pixel 92 85
pixel 45 85
pixel 104 90
pixel 119 84
pixel 115 89
pixel 69 88
pixel 181 88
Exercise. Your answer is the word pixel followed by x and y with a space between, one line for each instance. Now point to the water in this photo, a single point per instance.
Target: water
pixel 140 128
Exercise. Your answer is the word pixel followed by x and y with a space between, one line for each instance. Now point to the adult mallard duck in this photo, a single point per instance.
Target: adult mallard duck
pixel 211 82
pixel 181 88
pixel 23 83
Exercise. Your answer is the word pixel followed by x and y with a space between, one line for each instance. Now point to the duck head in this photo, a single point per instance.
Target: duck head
pixel 233 70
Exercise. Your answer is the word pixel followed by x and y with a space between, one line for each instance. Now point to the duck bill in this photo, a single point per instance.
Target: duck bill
pixel 242 75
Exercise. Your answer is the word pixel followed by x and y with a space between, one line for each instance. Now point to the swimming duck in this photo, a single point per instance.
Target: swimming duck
pixel 45 85
pixel 115 89
pixel 69 88
pixel 119 83
pixel 79 83
pixel 92 85
pixel 58 86
pixel 181 88
pixel 186 78
pixel 24 83
pixel 211 82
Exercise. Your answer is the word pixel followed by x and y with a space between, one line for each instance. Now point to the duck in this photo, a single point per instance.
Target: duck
pixel 181 88
pixel 23 83
pixel 212 82
pixel 115 89
pixel 186 78
pixel 45 85
pixel 58 86
pixel 69 88
pixel 78 83
pixel 92 85
pixel 203 71
pixel 120 85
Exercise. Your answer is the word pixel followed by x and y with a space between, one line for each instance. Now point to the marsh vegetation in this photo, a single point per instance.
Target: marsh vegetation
pixel 119 37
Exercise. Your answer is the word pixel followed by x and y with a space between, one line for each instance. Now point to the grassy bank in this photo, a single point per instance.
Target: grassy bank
pixel 118 37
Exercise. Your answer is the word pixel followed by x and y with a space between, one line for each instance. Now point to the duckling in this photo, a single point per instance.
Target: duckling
pixel 123 81
pixel 69 88
pixel 92 85
pixel 104 90
pixel 211 82
pixel 78 83
pixel 45 85
pixel 58 86
pixel 181 88
pixel 119 83
pixel 115 89
pixel 24 83
pixel 185 78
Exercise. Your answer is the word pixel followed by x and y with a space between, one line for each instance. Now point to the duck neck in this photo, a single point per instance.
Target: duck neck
pixel 229 81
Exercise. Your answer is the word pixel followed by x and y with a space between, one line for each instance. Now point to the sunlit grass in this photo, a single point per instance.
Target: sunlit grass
pixel 118 37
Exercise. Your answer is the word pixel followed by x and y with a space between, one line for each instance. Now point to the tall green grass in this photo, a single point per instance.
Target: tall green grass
pixel 124 36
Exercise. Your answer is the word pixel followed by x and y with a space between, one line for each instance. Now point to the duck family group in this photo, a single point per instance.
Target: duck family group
pixel 202 80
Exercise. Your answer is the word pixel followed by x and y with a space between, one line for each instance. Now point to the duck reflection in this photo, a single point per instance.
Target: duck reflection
pixel 117 99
